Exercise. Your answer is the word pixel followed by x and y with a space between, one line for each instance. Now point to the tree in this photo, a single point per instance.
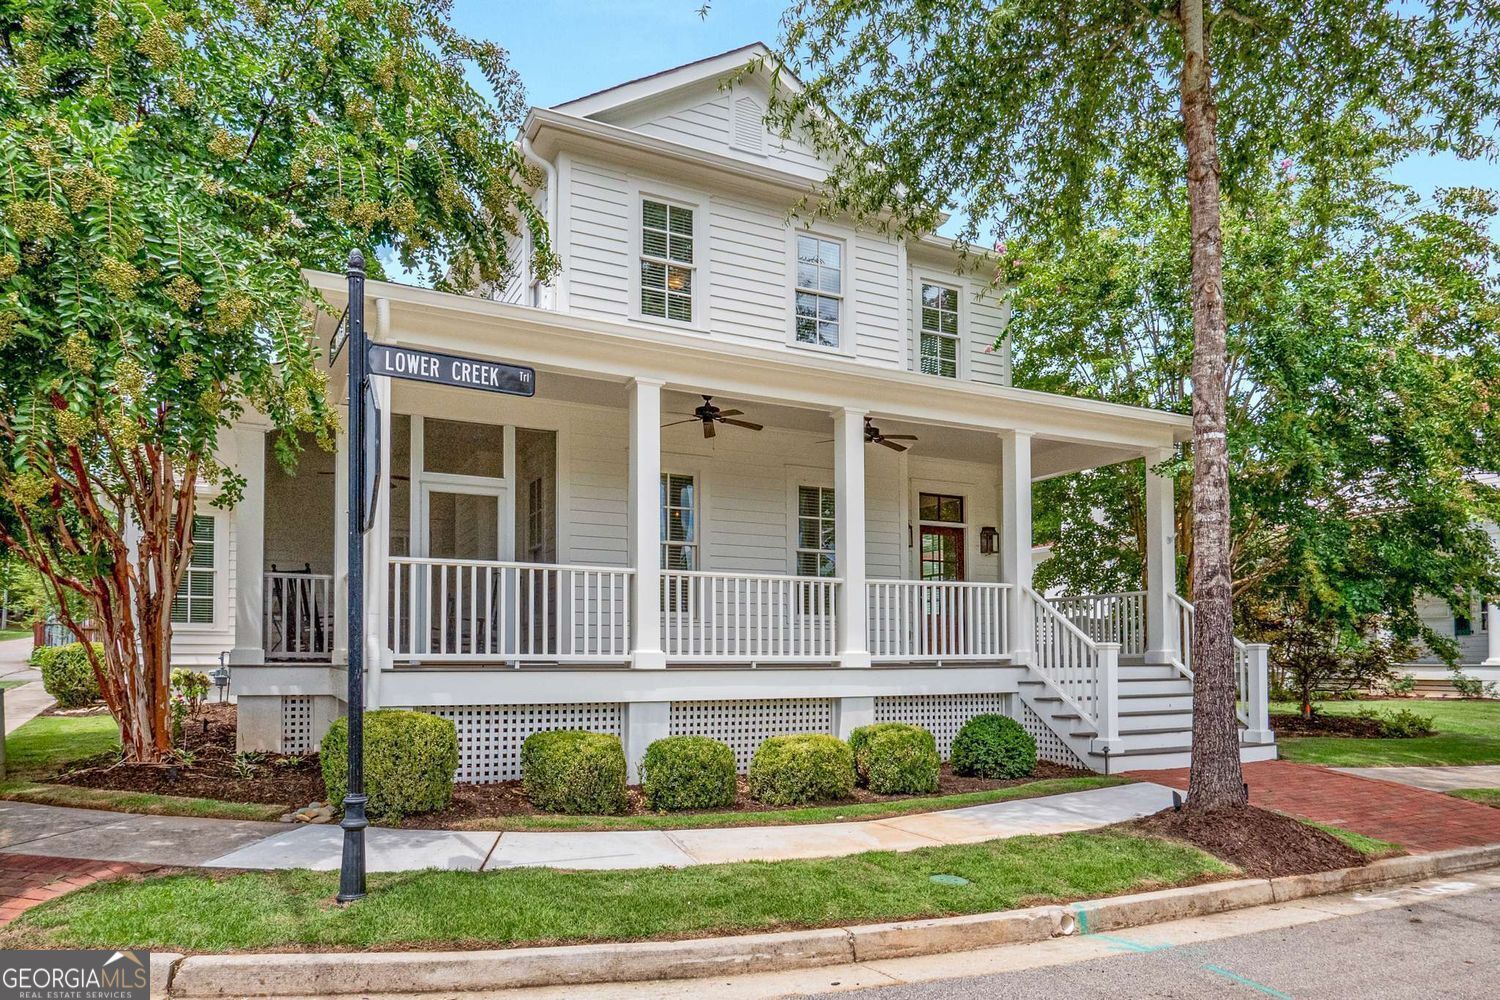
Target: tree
pixel 167 168
pixel 1020 110
pixel 1364 352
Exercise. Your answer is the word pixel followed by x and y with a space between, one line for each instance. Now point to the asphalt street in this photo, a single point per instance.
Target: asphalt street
pixel 1444 946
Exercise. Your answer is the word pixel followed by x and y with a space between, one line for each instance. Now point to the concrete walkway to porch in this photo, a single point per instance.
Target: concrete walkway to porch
pixel 105 836
pixel 1434 779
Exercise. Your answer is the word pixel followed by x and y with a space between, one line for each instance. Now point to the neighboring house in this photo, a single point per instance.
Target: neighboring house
pixel 1477 634
pixel 774 479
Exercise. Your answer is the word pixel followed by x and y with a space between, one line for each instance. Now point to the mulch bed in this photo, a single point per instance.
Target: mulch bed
pixel 505 798
pixel 1261 843
pixel 1327 725
pixel 291 780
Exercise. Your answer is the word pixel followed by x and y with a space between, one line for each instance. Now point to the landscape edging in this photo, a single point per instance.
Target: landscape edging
pixel 343 973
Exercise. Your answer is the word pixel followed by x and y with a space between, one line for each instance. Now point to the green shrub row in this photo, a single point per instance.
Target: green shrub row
pixel 410 759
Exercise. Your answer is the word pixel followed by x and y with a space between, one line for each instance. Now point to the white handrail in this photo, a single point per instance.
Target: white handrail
pixel 1109 618
pixel 1068 660
pixel 713 617
pixel 1186 622
pixel 297 621
pixel 477 610
pixel 937 620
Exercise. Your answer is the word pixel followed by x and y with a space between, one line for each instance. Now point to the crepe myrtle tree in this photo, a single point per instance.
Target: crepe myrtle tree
pixel 1017 110
pixel 167 169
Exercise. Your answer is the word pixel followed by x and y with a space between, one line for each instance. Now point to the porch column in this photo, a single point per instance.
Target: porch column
pixel 250 548
pixel 1015 537
pixel 849 534
pixel 1492 621
pixel 341 543
pixel 1161 562
pixel 644 528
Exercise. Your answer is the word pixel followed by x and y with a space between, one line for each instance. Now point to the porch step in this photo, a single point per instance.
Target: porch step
pixel 1149 671
pixel 1156 703
pixel 1175 757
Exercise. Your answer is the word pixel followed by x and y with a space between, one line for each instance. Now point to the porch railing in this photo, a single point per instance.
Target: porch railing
pixel 298 621
pixel 1109 618
pixel 481 611
pixel 748 617
pixel 937 620
pixel 1074 665
pixel 1244 689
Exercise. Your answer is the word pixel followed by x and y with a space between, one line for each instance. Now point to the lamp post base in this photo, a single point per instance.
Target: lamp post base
pixel 352 872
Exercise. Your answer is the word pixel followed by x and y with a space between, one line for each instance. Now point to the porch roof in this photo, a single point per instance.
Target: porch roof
pixel 1079 433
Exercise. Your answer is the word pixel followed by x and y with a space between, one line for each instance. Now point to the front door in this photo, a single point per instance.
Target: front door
pixel 941 559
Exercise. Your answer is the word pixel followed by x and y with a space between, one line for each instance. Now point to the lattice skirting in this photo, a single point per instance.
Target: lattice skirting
pixel 490 736
pixel 1049 746
pixel 296 724
pixel 745 725
pixel 940 714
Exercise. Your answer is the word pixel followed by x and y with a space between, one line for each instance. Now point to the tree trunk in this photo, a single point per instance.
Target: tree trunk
pixel 1216 779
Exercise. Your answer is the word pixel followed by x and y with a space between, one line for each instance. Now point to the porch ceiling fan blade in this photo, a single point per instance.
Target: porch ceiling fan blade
pixel 898 437
pixel 730 413
pixel 742 423
pixel 708 428
pixel 892 445
pixel 689 420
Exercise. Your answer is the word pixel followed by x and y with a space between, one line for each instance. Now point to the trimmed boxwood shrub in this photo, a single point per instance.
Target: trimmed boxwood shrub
pixel 68 676
pixel 894 758
pixel 792 770
pixel 688 772
pixel 993 746
pixel 42 655
pixel 572 771
pixel 410 759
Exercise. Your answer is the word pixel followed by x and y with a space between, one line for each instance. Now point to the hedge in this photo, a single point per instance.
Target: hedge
pixel 410 759
pixel 688 772
pixel 69 677
pixel 792 770
pixel 993 746
pixel 894 758
pixel 571 771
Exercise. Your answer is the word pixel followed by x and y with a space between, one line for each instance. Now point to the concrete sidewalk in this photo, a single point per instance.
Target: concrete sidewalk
pixel 1434 779
pixel 105 836
pixel 24 703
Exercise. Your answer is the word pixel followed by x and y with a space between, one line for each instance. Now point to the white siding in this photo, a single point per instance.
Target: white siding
pixel 877 325
pixel 989 356
pixel 599 217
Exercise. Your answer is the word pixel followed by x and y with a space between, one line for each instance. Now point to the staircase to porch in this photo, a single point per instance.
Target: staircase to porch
pixel 1090 681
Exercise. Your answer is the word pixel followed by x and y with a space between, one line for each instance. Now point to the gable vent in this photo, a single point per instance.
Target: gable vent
pixel 748 124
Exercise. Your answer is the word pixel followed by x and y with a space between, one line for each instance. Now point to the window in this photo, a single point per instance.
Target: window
pixel 939 346
pixel 461 448
pixel 679 523
pixel 820 290
pixel 941 507
pixel 815 532
pixel 666 261
pixel 194 603
pixel 1462 626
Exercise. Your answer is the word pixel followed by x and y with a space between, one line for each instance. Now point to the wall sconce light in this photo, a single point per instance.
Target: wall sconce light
pixel 989 540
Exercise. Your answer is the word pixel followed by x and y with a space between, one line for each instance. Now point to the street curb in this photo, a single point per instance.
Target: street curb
pixel 338 973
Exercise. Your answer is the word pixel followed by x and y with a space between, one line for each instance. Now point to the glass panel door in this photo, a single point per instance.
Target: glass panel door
pixel 942 558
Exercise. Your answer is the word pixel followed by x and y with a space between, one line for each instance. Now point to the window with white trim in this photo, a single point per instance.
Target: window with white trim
pixel 815 531
pixel 820 290
pixel 194 601
pixel 679 522
pixel 939 333
pixel 666 261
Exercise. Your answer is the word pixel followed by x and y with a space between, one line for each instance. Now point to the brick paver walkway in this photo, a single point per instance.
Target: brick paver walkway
pixel 29 879
pixel 1416 819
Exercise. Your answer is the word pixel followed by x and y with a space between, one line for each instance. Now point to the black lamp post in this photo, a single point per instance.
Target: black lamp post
pixel 352 871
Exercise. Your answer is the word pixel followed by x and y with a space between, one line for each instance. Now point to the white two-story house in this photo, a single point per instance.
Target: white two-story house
pixel 774 479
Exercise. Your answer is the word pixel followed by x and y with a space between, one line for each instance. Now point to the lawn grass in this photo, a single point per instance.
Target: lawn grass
pixel 529 906
pixel 10 684
pixel 1487 796
pixel 143 803
pixel 1468 732
pixel 50 742
pixel 1370 847
pixel 6 634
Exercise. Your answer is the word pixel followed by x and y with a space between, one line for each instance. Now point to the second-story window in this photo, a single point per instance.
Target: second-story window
pixel 820 290
pixel 666 261
pixel 939 345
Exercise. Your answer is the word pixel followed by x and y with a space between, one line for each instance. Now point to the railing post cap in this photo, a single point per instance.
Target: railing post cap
pixel 1257 645
pixel 1112 646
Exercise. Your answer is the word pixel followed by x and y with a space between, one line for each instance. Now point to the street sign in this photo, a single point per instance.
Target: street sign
pixel 451 369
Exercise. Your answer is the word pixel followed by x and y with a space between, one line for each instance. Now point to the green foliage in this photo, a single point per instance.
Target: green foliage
pixel 1470 687
pixel 410 759
pixel 993 746
pixel 192 685
pixel 571 771
pixel 1405 723
pixel 69 677
pixel 42 655
pixel 688 772
pixel 793 770
pixel 893 758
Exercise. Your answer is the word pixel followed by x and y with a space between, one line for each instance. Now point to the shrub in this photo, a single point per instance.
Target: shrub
pixel 893 758
pixel 1404 723
pixel 42 655
pixel 410 758
pixel 1402 685
pixel 993 746
pixel 571 771
pixel 69 677
pixel 791 770
pixel 688 772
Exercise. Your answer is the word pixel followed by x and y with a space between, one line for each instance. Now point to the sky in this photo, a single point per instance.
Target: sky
pixel 570 48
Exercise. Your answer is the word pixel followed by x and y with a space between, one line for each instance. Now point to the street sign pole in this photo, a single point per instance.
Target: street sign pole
pixel 352 871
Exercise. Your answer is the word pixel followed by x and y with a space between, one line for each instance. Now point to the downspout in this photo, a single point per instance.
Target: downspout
pixel 550 209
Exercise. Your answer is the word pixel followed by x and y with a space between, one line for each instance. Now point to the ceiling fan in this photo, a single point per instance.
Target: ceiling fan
pixel 708 414
pixel 873 436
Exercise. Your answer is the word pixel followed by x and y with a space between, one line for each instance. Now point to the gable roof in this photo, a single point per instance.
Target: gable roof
pixel 645 88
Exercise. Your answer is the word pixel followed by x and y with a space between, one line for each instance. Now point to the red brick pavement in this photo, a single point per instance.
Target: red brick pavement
pixel 29 879
pixel 1415 818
